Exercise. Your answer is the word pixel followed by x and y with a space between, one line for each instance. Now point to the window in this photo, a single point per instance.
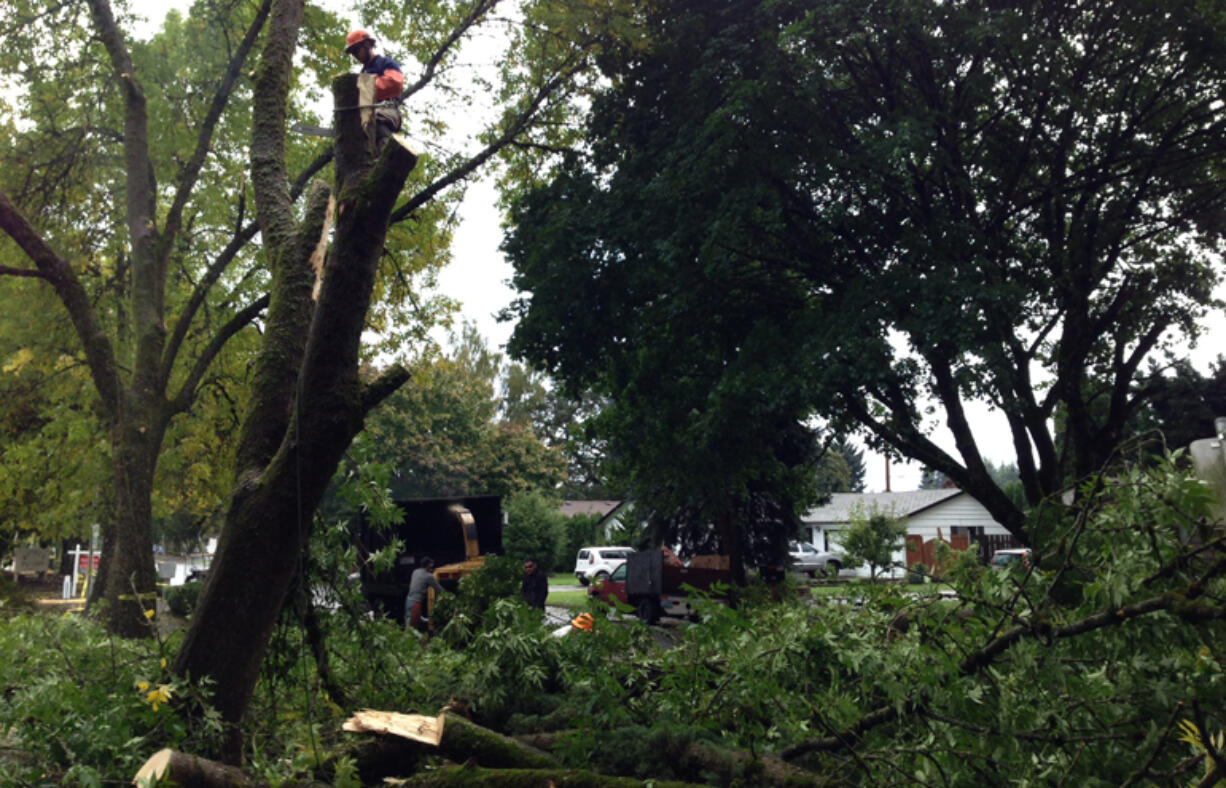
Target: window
pixel 619 574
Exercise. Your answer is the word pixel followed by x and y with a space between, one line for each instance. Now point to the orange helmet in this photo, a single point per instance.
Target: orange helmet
pixel 357 37
pixel 583 621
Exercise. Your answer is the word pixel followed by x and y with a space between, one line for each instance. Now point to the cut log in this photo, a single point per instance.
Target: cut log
pixel 738 765
pixel 189 771
pixel 468 776
pixel 418 727
pixel 464 740
pixel 730 765
pixel 404 738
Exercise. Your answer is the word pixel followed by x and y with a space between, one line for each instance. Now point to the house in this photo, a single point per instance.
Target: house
pixel 600 508
pixel 613 514
pixel 931 515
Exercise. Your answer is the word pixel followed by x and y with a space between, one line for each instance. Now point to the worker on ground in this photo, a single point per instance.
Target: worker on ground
pixel 535 587
pixel 389 81
pixel 420 583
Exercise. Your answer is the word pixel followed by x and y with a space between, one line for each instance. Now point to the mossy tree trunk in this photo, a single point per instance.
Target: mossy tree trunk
pixel 134 382
pixel 307 401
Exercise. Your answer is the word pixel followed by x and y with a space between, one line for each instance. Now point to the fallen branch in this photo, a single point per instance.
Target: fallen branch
pixel 1175 603
pixel 466 776
pixel 696 757
pixel 190 771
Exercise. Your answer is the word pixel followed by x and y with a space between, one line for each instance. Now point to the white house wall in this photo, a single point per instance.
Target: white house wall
pixel 961 510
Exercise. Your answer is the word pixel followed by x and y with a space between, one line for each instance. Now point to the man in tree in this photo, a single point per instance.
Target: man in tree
pixel 389 81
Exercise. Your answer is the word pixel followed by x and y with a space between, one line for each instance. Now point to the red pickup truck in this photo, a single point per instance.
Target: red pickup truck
pixel 654 587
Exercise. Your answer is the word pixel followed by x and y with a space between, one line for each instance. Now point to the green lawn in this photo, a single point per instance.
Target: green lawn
pixel 562 579
pixel 572 599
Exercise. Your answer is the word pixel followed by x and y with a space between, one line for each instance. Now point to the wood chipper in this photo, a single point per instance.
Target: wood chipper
pixel 456 532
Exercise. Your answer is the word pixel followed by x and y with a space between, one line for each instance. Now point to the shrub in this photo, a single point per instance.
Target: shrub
pixel 534 529
pixel 81 707
pixel 12 598
pixel 872 538
pixel 578 531
pixel 182 599
pixel 458 616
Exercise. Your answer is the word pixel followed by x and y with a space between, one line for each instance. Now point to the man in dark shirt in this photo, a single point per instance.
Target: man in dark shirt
pixel 535 587
pixel 389 81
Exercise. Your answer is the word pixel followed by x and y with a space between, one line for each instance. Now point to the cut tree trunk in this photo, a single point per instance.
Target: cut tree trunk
pixel 731 766
pixel 189 771
pixel 469 777
pixel 391 755
pixel 273 504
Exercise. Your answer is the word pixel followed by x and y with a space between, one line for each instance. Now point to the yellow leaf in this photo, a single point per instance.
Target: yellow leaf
pixel 19 360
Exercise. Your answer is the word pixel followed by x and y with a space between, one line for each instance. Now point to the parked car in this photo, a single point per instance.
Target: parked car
pixel 808 559
pixel 1003 559
pixel 654 586
pixel 599 562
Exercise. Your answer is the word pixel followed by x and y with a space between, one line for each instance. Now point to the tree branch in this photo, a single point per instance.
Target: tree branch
pixel 190 171
pixel 467 168
pixel 269 113
pixel 242 237
pixel 481 8
pixel 99 353
pixel 383 387
pixel 1175 603
pixel 288 326
pixel 182 401
pixel 148 292
pixel 28 272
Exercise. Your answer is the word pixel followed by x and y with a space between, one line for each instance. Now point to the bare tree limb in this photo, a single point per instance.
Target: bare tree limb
pixel 480 9
pixel 242 237
pixel 190 172
pixel 138 168
pixel 383 387
pixel 28 272
pixel 268 173
pixel 468 167
pixel 187 392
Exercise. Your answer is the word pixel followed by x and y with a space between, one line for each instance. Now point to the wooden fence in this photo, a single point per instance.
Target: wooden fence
pixel 919 551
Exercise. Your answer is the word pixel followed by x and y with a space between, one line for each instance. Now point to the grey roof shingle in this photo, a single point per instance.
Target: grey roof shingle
pixel 602 508
pixel 840 506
